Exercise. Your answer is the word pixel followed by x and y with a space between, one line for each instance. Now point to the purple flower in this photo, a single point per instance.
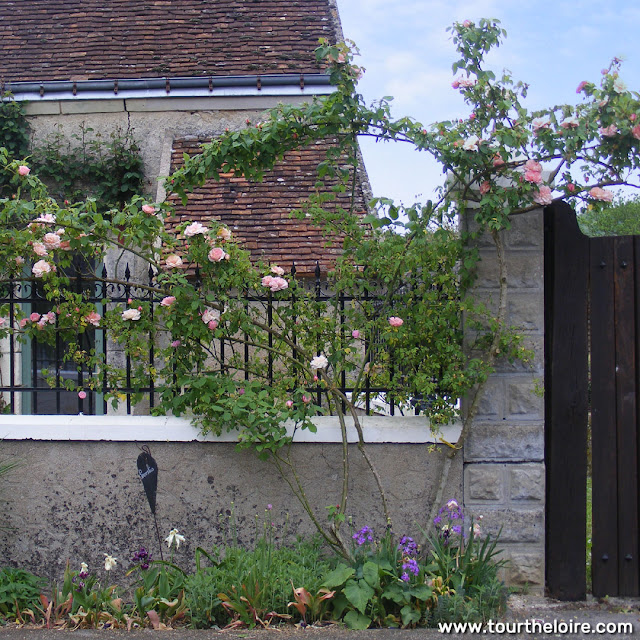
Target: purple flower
pixel 407 546
pixel 362 536
pixel 411 564
pixel 142 557
pixel 405 577
pixel 456 528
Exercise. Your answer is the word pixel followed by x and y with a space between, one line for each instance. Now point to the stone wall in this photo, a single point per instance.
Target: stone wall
pixel 504 473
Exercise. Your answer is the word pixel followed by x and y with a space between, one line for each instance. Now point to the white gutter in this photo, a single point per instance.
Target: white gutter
pixel 150 88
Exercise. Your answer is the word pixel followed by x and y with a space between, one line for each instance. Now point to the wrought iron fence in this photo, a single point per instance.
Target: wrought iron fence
pixel 33 374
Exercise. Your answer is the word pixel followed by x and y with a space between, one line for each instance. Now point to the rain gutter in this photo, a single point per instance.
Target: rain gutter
pixel 205 86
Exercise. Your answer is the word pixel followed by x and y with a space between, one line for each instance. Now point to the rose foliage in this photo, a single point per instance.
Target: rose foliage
pixel 501 157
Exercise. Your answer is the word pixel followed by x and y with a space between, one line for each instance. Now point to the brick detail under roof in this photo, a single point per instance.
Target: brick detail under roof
pixel 258 213
pixel 106 39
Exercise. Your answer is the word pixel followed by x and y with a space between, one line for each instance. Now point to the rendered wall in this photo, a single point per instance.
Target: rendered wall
pixel 77 500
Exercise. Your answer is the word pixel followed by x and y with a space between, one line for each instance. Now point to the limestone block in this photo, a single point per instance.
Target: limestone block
pixel 484 482
pixel 526 568
pixel 506 441
pixel 527 482
pixel 513 525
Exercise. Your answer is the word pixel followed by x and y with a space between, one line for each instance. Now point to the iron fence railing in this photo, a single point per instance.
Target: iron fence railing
pixel 25 389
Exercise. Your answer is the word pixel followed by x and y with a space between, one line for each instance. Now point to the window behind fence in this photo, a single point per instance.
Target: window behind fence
pixel 34 375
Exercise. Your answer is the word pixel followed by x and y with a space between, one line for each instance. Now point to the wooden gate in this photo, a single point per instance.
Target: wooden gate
pixel 592 317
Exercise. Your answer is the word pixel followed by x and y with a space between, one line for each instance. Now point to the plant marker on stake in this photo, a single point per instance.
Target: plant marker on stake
pixel 148 472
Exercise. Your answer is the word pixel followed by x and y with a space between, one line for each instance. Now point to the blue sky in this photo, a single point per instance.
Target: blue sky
pixel 407 52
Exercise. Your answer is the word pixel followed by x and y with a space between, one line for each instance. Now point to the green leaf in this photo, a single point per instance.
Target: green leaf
pixel 338 576
pixel 410 615
pixel 371 574
pixel 358 593
pixel 357 621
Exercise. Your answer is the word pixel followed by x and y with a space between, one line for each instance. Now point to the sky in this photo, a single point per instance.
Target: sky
pixel 551 44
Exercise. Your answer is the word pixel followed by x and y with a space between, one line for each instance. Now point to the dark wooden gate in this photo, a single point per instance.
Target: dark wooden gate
pixel 592 320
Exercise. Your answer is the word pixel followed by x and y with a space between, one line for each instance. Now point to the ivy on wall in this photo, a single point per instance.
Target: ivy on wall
pixel 106 168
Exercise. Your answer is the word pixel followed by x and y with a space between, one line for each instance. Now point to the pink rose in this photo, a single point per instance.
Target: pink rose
pixel 216 254
pixel 289 403
pixel 636 132
pixel 213 324
pixel 601 194
pixel 40 268
pixel 131 314
pixel 51 240
pixel 34 317
pixel 543 196
pixel 633 117
pixel 65 245
pixel 93 318
pixel 466 23
pixel 194 229
pixel 168 301
pixel 355 334
pixel 51 317
pixel 24 170
pixel 3 321
pixel 465 83
pixel 176 343
pixel 581 86
pixel 173 261
pixel 570 123
pixel 498 161
pixel 540 123
pixel 275 284
pixel 533 165
pixel 533 176
pixel 19 260
pixel 46 217
pixel 147 208
pixel 224 234
pixel 39 249
pixel 279 271
pixel 305 399
pixel 485 187
pixel 82 395
pixel 608 132
pixel 571 187
pixel 210 315
pixel 394 321
pixel 23 322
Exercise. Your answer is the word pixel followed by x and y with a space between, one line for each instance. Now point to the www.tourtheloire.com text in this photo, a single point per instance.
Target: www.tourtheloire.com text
pixel 560 627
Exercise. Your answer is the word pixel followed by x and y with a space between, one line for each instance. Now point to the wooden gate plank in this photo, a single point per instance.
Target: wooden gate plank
pixel 604 550
pixel 628 565
pixel 566 402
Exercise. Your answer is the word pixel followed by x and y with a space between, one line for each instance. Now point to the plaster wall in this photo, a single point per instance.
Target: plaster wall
pixel 77 500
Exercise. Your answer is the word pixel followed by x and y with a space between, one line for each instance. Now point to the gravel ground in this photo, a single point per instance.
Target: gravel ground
pixel 565 620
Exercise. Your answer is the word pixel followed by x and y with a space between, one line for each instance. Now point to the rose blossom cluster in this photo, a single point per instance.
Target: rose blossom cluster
pixel 211 318
pixel 275 284
pixel 39 320
pixel 598 193
pixel 42 267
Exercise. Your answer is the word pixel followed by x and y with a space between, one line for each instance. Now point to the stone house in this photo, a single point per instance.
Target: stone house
pixel 177 72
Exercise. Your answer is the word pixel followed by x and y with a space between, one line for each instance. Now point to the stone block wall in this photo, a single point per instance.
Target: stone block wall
pixel 504 473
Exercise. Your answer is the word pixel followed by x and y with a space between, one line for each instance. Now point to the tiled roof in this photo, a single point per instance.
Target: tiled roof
pixel 106 39
pixel 258 213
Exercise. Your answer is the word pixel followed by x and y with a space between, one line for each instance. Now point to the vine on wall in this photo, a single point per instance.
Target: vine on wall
pixel 108 169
